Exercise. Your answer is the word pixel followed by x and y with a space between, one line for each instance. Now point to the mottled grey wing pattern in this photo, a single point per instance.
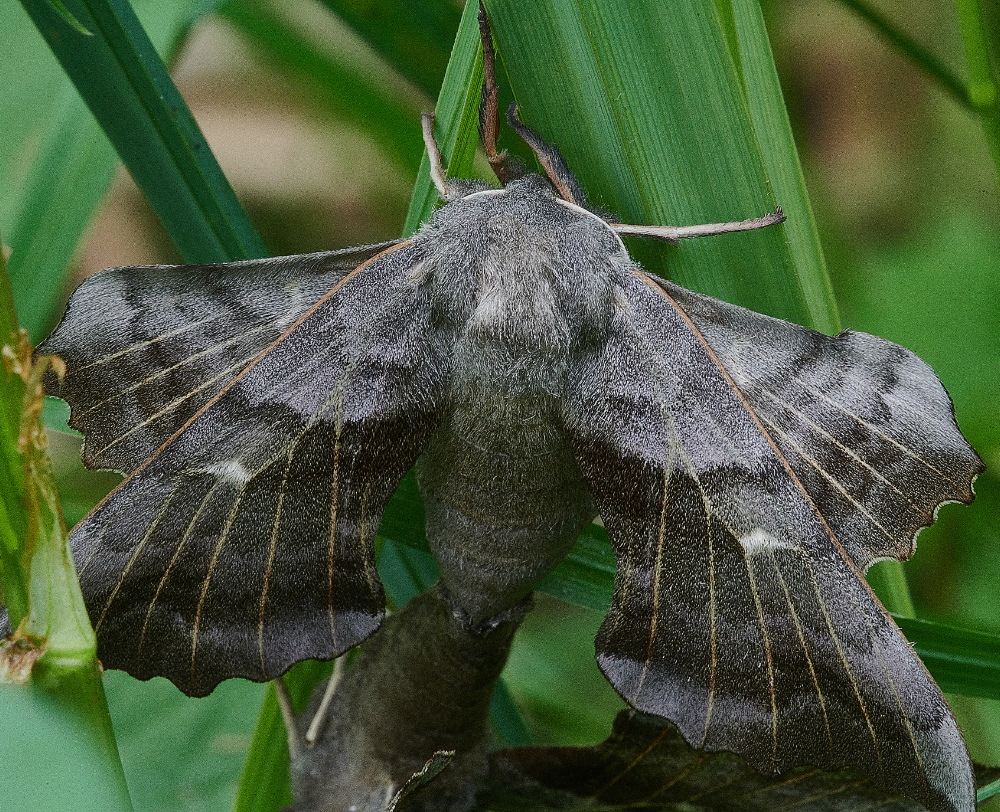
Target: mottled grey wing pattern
pixel 146 347
pixel 245 543
pixel 865 425
pixel 740 465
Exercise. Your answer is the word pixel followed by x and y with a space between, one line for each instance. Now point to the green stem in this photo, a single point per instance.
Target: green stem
pixel 931 65
pixel 988 791
pixel 982 94
pixel 13 519
pixel 888 579
pixel 45 605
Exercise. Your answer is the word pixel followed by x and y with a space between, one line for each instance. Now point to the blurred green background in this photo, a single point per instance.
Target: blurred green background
pixel 901 178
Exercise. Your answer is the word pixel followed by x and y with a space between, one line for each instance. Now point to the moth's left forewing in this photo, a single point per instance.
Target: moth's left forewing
pixel 740 534
pixel 145 347
pixel 245 543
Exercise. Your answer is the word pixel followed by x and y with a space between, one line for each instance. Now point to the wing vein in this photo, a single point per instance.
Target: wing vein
pixel 223 536
pixel 142 344
pixel 836 443
pixel 182 362
pixel 135 555
pixel 332 549
pixel 173 560
pixel 845 662
pixel 834 482
pixel 724 373
pixel 802 640
pixel 260 356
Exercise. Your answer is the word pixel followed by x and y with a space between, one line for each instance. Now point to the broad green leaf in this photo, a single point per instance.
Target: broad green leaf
pixel 58 760
pixel 181 753
pixel 647 106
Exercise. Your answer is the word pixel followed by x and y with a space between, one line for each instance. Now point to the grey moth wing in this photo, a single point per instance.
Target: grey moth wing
pixel 244 542
pixel 147 346
pixel 748 470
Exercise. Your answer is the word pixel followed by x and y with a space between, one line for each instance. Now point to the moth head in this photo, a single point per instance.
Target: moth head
pixel 507 169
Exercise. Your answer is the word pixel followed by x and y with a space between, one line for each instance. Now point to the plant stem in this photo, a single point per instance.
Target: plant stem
pixel 981 94
pixel 931 65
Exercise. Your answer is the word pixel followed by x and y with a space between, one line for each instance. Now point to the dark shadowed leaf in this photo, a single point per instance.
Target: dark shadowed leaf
pixel 645 766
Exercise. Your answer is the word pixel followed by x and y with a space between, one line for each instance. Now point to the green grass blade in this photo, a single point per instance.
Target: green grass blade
pixel 766 107
pixel 456 122
pixel 72 171
pixel 56 164
pixel 646 104
pixel 126 86
pixel 352 96
pixel 264 784
pixel 963 661
pixel 415 36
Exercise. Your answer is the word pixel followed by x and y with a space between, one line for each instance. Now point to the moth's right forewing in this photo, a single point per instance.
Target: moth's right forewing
pixel 145 347
pixel 245 543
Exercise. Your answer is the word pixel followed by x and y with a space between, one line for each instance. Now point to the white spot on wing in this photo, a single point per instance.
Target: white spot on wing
pixel 231 471
pixel 416 273
pixel 759 540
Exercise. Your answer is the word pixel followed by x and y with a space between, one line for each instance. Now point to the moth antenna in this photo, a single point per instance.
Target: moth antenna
pixel 488 116
pixel 316 725
pixel 434 155
pixel 552 162
pixel 674 234
pixel 288 714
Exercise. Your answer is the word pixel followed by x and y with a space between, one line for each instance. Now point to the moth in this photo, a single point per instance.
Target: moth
pixel 747 470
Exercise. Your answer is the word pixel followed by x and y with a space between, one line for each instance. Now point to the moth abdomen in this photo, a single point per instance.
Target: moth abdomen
pixel 505 501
